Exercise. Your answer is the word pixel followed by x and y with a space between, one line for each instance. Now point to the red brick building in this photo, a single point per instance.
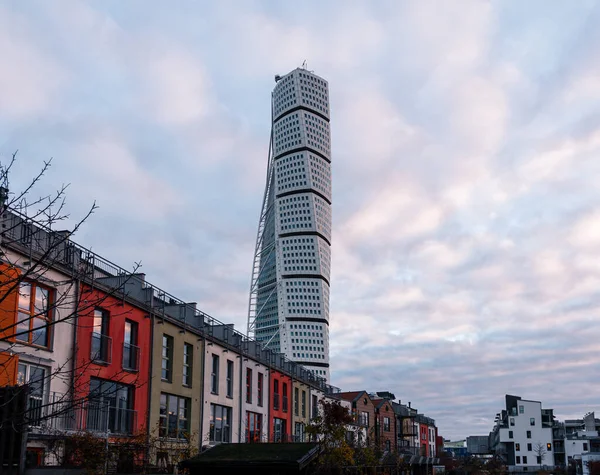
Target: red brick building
pixel 363 411
pixel 385 424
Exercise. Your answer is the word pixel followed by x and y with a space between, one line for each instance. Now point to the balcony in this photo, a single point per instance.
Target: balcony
pixel 276 401
pixel 285 404
pixel 101 348
pixel 131 357
pixel 60 414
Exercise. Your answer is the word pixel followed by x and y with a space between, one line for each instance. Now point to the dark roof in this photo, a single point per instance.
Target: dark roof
pixel 292 455
pixel 351 395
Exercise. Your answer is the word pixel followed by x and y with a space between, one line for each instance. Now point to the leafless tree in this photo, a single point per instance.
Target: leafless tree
pixel 540 452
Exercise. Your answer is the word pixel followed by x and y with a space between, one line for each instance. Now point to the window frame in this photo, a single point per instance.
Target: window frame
pixel 214 374
pixel 386 425
pixel 249 385
pixel 134 350
pixel 255 420
pixel 187 406
pixel 229 379
pixel 259 388
pixel 32 315
pixel 35 402
pixel 105 348
pixel 168 357
pixel 187 365
pixel 225 423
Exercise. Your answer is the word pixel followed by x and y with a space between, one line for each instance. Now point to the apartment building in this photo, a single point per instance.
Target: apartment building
pixel 363 411
pixel 385 421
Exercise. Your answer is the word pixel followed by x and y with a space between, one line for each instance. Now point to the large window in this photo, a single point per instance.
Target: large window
pixel 248 385
pixel 279 430
pixel 253 427
pixel 303 403
pixel 229 378
pixel 174 417
pixel 364 419
pixel 220 423
pixel 260 389
pixel 167 358
pixel 34 376
pixel 34 314
pixel 296 401
pixel 110 407
pixel 386 424
pixel 214 375
pixel 130 349
pixel 299 432
pixel 315 406
pixel 188 358
pixel 101 342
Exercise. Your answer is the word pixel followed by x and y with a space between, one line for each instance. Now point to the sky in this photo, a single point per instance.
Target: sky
pixel 465 142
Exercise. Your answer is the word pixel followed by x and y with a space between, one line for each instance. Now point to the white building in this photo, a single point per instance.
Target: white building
pixel 523 434
pixel 289 295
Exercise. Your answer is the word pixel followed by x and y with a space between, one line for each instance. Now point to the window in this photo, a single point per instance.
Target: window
pixel 110 407
pixel 364 419
pixel 512 421
pixel 34 314
pixel 549 446
pixel 585 447
pixel 214 375
pixel 188 361
pixel 220 422
pixel 532 421
pixel 174 417
pixel 315 406
pixel 260 389
pixel 386 424
pixel 167 358
pixel 521 409
pixel 248 385
pixel 518 459
pixel 279 430
pixel 296 401
pixel 517 447
pixel 229 378
pixel 510 434
pixel 253 427
pixel 285 397
pixel 130 348
pixel 539 459
pixel 303 403
pixel 524 458
pixel 33 376
pixel 276 394
pixel 299 432
pixel 529 434
pixel 101 342
pixel 529 448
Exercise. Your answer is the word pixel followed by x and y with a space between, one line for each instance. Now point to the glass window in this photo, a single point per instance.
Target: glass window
pixel 110 407
pixel 386 424
pixel 33 314
pixel 188 358
pixel 279 430
pixel 167 358
pixel 524 458
pixel 529 434
pixel 521 409
pixel 253 427
pixel 220 422
pixel 214 375
pixel 517 447
pixel 510 434
pixel 512 421
pixel 35 377
pixel 518 459
pixel 532 421
pixel 529 449
pixel 229 378
pixel 174 417
pixel 303 403
pixel 101 341
pixel 248 385
pixel 130 348
pixel 296 401
pixel 260 389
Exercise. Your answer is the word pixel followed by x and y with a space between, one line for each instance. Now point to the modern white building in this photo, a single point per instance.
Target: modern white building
pixel 289 295
pixel 523 434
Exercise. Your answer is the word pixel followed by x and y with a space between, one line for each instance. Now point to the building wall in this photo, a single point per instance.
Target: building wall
pixel 276 406
pixel 298 415
pixel 361 404
pixel 175 386
pixel 218 396
pixel 253 406
pixel 119 311
pixel 385 410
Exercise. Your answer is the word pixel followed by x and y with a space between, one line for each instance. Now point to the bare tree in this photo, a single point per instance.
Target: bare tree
pixel 37 255
pixel 540 452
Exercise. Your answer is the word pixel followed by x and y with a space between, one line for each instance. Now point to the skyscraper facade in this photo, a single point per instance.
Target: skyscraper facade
pixel 289 294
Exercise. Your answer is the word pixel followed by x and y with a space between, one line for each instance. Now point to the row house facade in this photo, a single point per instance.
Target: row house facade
pixel 103 350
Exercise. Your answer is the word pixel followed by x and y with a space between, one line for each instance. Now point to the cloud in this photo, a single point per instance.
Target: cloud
pixel 465 144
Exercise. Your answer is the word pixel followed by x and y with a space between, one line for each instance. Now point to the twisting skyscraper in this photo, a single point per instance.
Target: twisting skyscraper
pixel 289 294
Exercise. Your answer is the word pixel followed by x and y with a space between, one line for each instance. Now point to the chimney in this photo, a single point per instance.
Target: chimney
pixel 409 404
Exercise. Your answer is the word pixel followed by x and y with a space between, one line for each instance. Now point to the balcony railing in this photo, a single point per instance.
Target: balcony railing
pixel 285 404
pixel 60 414
pixel 276 401
pixel 131 357
pixel 101 348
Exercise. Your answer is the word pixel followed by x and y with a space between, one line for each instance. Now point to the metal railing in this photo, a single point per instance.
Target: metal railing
pixel 101 348
pixel 285 404
pixel 131 357
pixel 104 418
pixel 276 401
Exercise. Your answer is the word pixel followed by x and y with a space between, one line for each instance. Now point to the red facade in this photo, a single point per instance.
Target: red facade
pixel 113 361
pixel 424 439
pixel 281 412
